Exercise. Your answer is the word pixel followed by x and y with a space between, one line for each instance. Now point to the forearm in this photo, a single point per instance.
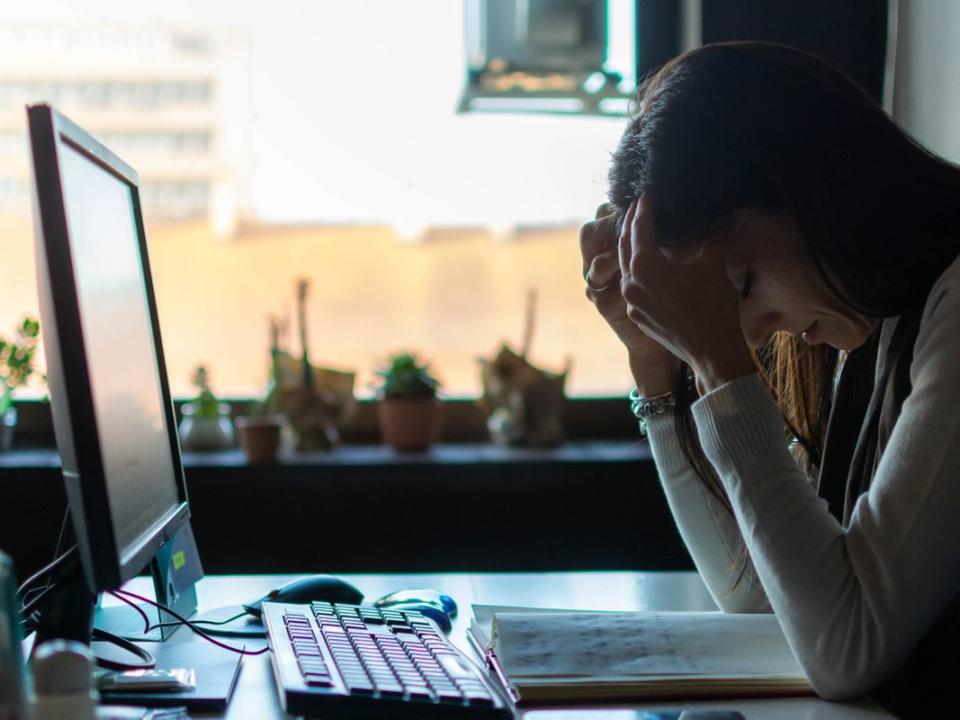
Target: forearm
pixel 852 602
pixel 708 529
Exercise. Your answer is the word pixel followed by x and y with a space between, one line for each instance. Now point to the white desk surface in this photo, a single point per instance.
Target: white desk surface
pixel 256 698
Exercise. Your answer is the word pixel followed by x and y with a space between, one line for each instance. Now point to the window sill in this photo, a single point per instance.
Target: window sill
pixel 584 420
pixel 599 451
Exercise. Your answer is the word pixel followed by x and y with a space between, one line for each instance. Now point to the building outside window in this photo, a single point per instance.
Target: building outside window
pixel 318 140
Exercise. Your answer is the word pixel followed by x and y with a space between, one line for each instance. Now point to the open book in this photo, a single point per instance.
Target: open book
pixel 548 656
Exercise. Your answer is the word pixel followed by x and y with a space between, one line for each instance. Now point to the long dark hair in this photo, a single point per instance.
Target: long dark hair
pixel 734 127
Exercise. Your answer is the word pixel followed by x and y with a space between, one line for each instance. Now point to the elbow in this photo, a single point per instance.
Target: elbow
pixel 841 686
pixel 847 670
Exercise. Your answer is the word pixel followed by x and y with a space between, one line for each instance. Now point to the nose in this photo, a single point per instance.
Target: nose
pixel 759 326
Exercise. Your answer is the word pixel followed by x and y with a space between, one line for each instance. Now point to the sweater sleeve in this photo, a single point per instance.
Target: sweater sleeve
pixel 709 531
pixel 853 602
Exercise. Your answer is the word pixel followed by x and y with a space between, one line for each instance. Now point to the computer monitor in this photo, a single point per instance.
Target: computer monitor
pixel 113 416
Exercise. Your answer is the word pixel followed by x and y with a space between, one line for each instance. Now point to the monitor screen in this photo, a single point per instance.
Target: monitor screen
pixel 118 341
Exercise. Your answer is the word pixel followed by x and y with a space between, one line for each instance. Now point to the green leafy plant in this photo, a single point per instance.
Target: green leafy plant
pixel 16 360
pixel 205 404
pixel 405 376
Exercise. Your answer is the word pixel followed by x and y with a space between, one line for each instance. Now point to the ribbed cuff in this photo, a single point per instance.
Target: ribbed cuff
pixel 665 443
pixel 738 422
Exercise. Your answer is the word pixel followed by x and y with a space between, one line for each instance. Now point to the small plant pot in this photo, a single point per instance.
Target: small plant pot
pixel 260 438
pixel 206 433
pixel 410 424
pixel 8 424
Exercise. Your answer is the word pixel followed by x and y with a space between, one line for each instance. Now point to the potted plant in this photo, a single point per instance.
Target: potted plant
pixel 16 367
pixel 206 421
pixel 408 411
pixel 260 434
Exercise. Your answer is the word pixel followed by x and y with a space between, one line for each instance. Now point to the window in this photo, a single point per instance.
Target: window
pixel 321 140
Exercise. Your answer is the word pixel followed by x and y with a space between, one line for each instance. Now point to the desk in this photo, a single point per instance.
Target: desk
pixel 256 698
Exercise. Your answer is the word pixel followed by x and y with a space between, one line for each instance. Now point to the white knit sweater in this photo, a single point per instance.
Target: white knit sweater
pixel 853 601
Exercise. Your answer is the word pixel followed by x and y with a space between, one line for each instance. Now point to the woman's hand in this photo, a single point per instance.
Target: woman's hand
pixel 689 306
pixel 655 370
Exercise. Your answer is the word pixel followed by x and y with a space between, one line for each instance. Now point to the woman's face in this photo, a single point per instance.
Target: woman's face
pixel 782 290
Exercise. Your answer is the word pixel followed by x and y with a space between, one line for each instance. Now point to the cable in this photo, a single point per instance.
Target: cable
pixel 177 623
pixel 29 596
pixel 192 626
pixel 104 636
pixel 27 609
pixel 46 570
pixel 128 601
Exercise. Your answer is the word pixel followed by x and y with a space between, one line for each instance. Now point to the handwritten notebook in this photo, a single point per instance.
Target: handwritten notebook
pixel 543 656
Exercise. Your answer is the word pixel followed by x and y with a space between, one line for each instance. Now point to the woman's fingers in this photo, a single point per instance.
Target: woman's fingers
pixel 604 270
pixel 645 255
pixel 624 243
pixel 635 237
pixel 596 237
pixel 604 210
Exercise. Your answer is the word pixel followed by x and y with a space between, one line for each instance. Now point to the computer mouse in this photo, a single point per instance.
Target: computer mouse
pixel 433 611
pixel 419 595
pixel 315 588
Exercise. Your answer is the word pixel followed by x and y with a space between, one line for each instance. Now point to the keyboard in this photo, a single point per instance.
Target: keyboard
pixel 350 661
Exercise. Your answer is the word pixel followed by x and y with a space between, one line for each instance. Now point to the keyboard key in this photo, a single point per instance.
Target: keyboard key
pixel 358 687
pixel 353 673
pixel 318 681
pixel 419 693
pixel 381 669
pixel 449 696
pixel 480 699
pixel 308 670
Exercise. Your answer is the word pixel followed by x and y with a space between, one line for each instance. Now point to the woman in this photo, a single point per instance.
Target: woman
pixel 777 246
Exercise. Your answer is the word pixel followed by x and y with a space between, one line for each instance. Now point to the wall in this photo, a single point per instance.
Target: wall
pixel 926 86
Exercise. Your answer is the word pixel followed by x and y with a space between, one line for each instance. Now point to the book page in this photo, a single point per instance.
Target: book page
pixel 610 645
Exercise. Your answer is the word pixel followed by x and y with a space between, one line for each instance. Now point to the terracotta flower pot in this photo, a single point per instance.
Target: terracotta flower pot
pixel 260 438
pixel 410 424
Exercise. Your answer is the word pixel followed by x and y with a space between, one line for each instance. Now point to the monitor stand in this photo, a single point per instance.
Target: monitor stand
pixel 176 569
pixel 68 613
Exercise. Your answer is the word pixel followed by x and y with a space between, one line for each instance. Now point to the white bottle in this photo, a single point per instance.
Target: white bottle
pixel 63 682
pixel 11 654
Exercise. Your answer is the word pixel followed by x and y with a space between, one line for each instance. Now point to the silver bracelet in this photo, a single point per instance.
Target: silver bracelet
pixel 644 408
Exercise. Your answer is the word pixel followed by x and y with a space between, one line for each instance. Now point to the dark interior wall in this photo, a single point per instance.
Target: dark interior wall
pixel 597 509
pixel 850 34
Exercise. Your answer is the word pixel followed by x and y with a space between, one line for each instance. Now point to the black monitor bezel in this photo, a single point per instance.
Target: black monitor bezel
pixel 106 566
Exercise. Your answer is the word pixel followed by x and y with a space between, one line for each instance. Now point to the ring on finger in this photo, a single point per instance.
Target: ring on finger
pixel 595 288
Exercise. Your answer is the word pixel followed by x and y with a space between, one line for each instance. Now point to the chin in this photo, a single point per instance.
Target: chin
pixel 847 341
